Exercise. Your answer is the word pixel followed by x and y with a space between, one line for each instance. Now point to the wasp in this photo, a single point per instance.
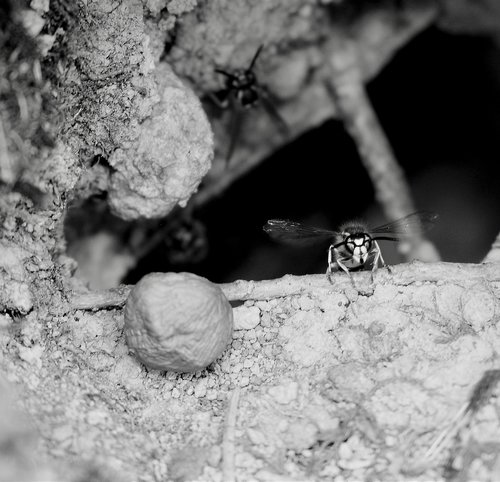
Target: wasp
pixel 355 245
pixel 243 90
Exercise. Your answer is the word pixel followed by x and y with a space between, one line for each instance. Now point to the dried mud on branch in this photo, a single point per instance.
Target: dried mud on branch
pixel 332 381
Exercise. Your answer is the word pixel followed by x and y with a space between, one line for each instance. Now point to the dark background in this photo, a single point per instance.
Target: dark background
pixel 439 103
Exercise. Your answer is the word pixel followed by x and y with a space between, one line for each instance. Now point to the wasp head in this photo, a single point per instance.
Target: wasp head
pixel 358 245
pixel 244 85
pixel 241 79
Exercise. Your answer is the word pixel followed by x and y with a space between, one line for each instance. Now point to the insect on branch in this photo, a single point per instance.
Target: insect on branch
pixel 392 191
pixel 289 285
pixel 242 91
pixel 354 246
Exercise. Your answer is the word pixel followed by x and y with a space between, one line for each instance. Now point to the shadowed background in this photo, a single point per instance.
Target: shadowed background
pixel 439 103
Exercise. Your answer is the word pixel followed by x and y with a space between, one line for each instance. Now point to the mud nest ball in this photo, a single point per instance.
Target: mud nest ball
pixel 177 321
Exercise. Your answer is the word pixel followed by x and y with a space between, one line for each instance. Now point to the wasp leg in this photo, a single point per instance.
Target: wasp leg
pixel 343 267
pixel 329 270
pixel 221 100
pixel 378 257
pixel 333 255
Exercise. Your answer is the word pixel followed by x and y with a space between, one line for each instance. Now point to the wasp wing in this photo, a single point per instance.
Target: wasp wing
pixel 220 98
pixel 296 233
pixel 234 133
pixel 415 223
pixel 272 112
pixel 227 74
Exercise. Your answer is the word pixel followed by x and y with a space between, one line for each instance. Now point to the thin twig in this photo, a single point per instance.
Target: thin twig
pixel 494 253
pixel 228 438
pixel 7 166
pixel 98 300
pixel 445 436
pixel 311 108
pixel 288 285
pixel 479 397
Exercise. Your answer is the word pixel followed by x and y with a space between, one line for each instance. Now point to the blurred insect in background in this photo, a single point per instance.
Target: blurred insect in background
pixel 186 242
pixel 354 246
pixel 180 238
pixel 242 91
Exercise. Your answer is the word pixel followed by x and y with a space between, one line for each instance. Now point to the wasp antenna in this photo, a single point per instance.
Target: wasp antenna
pixel 252 63
pixel 386 238
pixel 227 74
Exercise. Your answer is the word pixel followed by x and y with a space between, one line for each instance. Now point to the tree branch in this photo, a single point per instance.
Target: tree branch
pixel 242 290
pixel 392 190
